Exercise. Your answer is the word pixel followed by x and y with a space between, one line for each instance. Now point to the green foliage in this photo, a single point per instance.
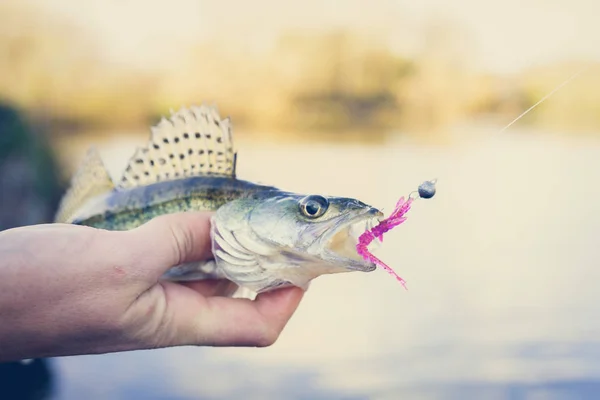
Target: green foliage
pixel 26 157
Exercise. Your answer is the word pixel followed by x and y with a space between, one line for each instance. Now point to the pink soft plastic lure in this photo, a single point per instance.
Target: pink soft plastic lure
pixel 426 191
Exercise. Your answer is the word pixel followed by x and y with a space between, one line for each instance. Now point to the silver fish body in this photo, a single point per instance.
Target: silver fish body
pixel 263 238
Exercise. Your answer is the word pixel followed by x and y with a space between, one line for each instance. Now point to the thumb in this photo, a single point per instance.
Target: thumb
pixel 174 239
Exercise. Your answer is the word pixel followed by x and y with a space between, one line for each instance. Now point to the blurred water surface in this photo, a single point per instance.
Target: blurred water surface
pixel 502 271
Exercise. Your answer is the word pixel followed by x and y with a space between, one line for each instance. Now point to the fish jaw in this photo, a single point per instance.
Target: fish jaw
pixel 337 246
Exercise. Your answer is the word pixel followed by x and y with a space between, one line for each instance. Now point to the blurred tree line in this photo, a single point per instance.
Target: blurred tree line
pixel 338 80
pixel 55 71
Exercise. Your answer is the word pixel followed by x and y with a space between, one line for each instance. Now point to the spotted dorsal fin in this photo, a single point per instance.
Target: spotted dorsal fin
pixel 192 142
pixel 90 180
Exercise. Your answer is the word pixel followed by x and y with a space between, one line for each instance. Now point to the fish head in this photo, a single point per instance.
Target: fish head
pixel 289 239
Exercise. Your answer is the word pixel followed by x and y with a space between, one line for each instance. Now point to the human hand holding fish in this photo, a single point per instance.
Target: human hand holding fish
pixel 161 256
pixel 71 290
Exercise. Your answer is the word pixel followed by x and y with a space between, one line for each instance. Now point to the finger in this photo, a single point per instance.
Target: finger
pixel 222 321
pixel 252 323
pixel 173 239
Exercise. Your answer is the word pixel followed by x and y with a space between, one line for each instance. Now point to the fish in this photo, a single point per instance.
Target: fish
pixel 263 238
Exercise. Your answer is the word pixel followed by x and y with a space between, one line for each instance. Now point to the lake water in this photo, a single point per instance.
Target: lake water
pixel 502 269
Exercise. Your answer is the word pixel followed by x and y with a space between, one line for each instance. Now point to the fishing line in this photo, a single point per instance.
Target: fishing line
pixel 556 89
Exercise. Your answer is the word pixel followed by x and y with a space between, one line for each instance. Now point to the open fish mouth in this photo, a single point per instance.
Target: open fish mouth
pixel 341 240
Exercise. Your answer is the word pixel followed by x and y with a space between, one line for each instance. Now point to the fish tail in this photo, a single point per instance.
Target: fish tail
pixel 92 179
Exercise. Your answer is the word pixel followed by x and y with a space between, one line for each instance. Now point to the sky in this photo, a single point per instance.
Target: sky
pixel 501 36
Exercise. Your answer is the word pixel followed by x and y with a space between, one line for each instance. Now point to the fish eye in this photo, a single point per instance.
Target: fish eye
pixel 314 206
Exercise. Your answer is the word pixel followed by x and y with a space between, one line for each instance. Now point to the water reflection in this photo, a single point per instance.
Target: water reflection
pixel 502 274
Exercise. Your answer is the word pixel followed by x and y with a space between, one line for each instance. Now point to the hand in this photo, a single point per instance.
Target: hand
pixel 67 290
